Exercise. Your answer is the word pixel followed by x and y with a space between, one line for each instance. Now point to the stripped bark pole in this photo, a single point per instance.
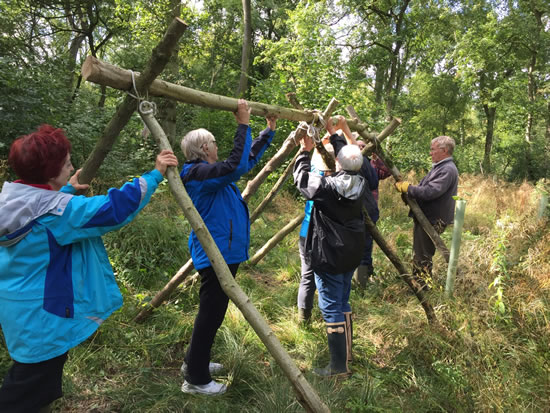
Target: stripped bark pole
pixel 106 74
pixel 275 190
pixel 329 160
pixel 403 273
pixel 306 395
pixel 159 59
pixel 277 160
pixel 413 205
pixel 278 237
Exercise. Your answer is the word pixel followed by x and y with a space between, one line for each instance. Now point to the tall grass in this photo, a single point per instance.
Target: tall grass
pixel 490 359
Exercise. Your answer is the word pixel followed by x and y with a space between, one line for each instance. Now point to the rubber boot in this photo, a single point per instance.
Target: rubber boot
pixel 349 336
pixel 362 275
pixel 304 315
pixel 338 365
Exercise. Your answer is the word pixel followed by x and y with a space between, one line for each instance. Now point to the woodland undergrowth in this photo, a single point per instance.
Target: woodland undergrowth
pixel 494 356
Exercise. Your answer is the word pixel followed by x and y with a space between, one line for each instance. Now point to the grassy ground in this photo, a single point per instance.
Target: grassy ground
pixel 494 354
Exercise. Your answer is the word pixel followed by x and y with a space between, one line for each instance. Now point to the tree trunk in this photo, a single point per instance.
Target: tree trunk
pixel 159 58
pixel 167 107
pixel 306 395
pixel 247 45
pixel 490 114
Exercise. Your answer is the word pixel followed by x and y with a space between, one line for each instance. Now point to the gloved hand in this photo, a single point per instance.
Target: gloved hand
pixel 402 186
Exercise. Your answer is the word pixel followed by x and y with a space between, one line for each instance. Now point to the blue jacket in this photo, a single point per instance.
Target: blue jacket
pixel 56 283
pixel 219 201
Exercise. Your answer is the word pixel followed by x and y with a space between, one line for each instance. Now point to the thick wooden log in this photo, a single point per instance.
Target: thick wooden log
pixel 307 396
pixel 329 160
pixel 273 164
pixel 166 291
pixel 106 74
pixel 159 59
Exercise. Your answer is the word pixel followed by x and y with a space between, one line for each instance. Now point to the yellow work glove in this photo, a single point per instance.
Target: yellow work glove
pixel 402 186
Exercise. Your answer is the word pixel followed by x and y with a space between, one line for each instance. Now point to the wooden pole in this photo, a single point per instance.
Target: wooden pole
pixel 307 396
pixel 403 273
pixel 275 190
pixel 106 74
pixel 413 205
pixel 268 246
pixel 159 59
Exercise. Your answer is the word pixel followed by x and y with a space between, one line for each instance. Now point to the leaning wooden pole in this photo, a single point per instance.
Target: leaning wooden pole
pixel 275 190
pixel 159 59
pixel 413 205
pixel 269 245
pixel 307 396
pixel 403 273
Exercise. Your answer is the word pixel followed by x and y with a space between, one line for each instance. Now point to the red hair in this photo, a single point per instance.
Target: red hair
pixel 39 156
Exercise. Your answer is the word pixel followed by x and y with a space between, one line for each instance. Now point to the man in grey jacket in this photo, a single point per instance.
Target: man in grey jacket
pixel 434 195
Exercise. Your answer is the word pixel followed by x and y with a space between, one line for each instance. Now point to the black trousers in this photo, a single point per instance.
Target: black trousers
pixel 212 307
pixel 28 387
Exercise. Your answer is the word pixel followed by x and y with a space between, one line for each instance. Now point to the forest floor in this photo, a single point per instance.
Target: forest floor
pixel 493 353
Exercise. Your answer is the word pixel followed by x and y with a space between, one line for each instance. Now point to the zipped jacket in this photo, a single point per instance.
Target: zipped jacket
pixel 435 192
pixel 212 189
pixel 56 283
pixel 336 235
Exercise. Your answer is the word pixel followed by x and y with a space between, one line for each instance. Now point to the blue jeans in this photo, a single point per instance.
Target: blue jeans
pixel 334 290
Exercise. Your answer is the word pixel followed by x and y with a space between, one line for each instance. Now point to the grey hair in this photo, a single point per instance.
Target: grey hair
pixel 192 142
pixel 445 142
pixel 317 161
pixel 350 158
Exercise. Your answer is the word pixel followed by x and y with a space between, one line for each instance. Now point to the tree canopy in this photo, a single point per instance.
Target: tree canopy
pixel 476 70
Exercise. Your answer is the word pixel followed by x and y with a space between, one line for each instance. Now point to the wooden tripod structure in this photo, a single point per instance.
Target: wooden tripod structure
pixel 105 74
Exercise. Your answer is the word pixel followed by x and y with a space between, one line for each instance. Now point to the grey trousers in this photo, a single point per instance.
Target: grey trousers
pixel 424 248
pixel 306 291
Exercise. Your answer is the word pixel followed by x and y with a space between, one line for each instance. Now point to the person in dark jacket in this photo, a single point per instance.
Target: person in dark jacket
pixel 335 239
pixel 56 284
pixel 434 195
pixel 211 186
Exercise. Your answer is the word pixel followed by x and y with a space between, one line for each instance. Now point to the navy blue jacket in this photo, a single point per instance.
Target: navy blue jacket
pixel 212 188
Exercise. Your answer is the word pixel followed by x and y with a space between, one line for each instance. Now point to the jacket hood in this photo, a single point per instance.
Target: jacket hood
pixel 21 205
pixel 348 186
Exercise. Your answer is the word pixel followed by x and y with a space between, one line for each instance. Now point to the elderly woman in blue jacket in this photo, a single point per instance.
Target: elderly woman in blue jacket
pixel 56 283
pixel 211 186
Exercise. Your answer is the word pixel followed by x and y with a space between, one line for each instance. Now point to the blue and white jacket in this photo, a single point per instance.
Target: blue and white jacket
pixel 56 283
pixel 218 200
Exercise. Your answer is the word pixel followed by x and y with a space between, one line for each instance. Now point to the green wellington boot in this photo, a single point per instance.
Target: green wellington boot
pixel 338 365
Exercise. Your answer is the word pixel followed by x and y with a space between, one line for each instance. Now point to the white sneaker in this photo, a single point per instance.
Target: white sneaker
pixel 213 388
pixel 213 368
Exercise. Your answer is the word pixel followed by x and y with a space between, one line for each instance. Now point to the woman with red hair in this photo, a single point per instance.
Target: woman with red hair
pixel 56 283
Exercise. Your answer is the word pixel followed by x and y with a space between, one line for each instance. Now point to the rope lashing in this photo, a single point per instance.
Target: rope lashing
pixel 301 126
pixel 143 105
pixel 146 107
